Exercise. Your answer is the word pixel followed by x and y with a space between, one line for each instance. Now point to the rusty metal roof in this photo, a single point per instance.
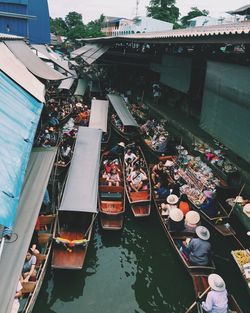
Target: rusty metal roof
pixel 9 36
pixel 201 33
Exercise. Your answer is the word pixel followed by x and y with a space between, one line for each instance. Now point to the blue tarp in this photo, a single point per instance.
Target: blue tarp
pixel 19 116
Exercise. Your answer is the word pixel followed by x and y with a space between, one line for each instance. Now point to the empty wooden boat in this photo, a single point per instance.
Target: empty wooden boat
pixel 78 208
pixel 140 201
pixel 111 197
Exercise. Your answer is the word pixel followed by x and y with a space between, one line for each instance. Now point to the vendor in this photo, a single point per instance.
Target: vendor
pixel 217 300
pixel 172 201
pixel 199 248
pixel 176 220
pixel 209 206
pixel 183 204
pixel 192 220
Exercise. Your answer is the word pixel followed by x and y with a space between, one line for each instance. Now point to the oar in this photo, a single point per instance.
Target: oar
pixel 235 201
pixel 221 257
pixel 200 297
pixel 90 225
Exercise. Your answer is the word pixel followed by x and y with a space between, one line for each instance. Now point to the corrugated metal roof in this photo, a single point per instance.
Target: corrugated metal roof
pixel 9 36
pixel 241 28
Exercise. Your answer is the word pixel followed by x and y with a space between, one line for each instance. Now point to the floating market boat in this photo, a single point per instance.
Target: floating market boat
pixel 176 238
pixel 140 201
pixel 78 208
pixel 200 283
pixel 111 198
pixel 242 260
pixel 122 120
pixel 99 119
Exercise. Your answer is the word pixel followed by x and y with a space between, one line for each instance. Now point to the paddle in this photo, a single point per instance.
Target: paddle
pixel 221 257
pixel 199 297
pixel 236 201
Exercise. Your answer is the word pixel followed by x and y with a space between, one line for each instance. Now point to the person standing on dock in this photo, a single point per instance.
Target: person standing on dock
pixel 216 301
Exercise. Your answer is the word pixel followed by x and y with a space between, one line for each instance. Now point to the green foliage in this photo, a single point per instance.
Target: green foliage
pixel 164 10
pixel 195 12
pixel 73 27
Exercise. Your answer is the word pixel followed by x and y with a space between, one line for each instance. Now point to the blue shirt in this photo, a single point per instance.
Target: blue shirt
pixel 199 251
pixel 216 302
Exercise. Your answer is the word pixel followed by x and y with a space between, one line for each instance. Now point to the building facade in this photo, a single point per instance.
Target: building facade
pixel 26 18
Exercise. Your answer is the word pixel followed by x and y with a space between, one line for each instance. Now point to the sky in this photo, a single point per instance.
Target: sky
pixel 92 9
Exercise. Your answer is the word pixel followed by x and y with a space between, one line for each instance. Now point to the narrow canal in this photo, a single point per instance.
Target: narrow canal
pixel 135 270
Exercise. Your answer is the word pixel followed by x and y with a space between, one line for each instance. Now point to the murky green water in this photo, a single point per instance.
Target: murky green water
pixel 135 270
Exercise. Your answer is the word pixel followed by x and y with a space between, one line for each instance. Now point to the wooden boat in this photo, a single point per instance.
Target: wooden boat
pixel 241 258
pixel 71 239
pixel 176 237
pixel 200 283
pixel 122 120
pixel 111 200
pixel 140 201
pixel 31 289
pixel 78 208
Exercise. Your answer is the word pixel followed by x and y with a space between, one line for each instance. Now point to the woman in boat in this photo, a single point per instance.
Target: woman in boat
pixel 216 300
pixel 113 178
pixel 129 155
pixel 199 248
pixel 176 220
pixel 29 270
pixel 209 206
pixel 171 204
pixel 192 220
pixel 183 204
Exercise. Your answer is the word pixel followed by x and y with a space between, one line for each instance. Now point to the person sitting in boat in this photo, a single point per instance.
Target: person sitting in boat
pixel 118 150
pixel 199 248
pixel 217 299
pixel 176 220
pixel 137 179
pixel 156 172
pixel 129 155
pixel 171 204
pixel 18 295
pixel 209 206
pixel 183 204
pixel 113 178
pixel 29 270
pixel 192 220
pixel 160 144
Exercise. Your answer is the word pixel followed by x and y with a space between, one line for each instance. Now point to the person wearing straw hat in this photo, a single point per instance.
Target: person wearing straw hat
pixel 216 300
pixel 172 201
pixel 118 150
pixel 176 220
pixel 246 209
pixel 199 248
pixel 192 220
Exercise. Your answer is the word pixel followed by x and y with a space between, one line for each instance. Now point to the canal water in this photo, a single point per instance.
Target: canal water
pixel 134 270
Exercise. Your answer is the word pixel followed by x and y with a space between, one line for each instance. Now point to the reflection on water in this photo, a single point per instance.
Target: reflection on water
pixel 133 270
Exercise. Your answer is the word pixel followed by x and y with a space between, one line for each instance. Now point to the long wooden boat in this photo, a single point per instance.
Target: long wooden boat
pixel 242 260
pixel 140 201
pixel 122 120
pixel 200 283
pixel 111 199
pixel 78 209
pixel 31 289
pixel 176 237
pixel 72 235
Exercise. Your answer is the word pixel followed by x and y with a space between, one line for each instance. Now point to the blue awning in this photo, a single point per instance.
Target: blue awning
pixel 19 116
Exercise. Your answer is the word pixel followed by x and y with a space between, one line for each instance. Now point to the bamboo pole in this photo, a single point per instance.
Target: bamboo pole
pixel 200 297
pixel 235 201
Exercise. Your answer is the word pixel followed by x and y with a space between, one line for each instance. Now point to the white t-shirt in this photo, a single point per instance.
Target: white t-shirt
pixel 136 178
pixel 131 156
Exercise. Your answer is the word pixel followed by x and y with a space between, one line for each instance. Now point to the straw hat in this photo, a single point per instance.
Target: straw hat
pixel 238 199
pixel 208 193
pixel 169 163
pixel 216 282
pixel 202 232
pixel 246 209
pixel 184 152
pixel 176 215
pixel 122 144
pixel 172 199
pixel 192 217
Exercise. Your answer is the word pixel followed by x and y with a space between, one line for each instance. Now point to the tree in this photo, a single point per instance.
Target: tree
pixel 93 28
pixel 58 26
pixel 164 10
pixel 195 12
pixel 73 19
